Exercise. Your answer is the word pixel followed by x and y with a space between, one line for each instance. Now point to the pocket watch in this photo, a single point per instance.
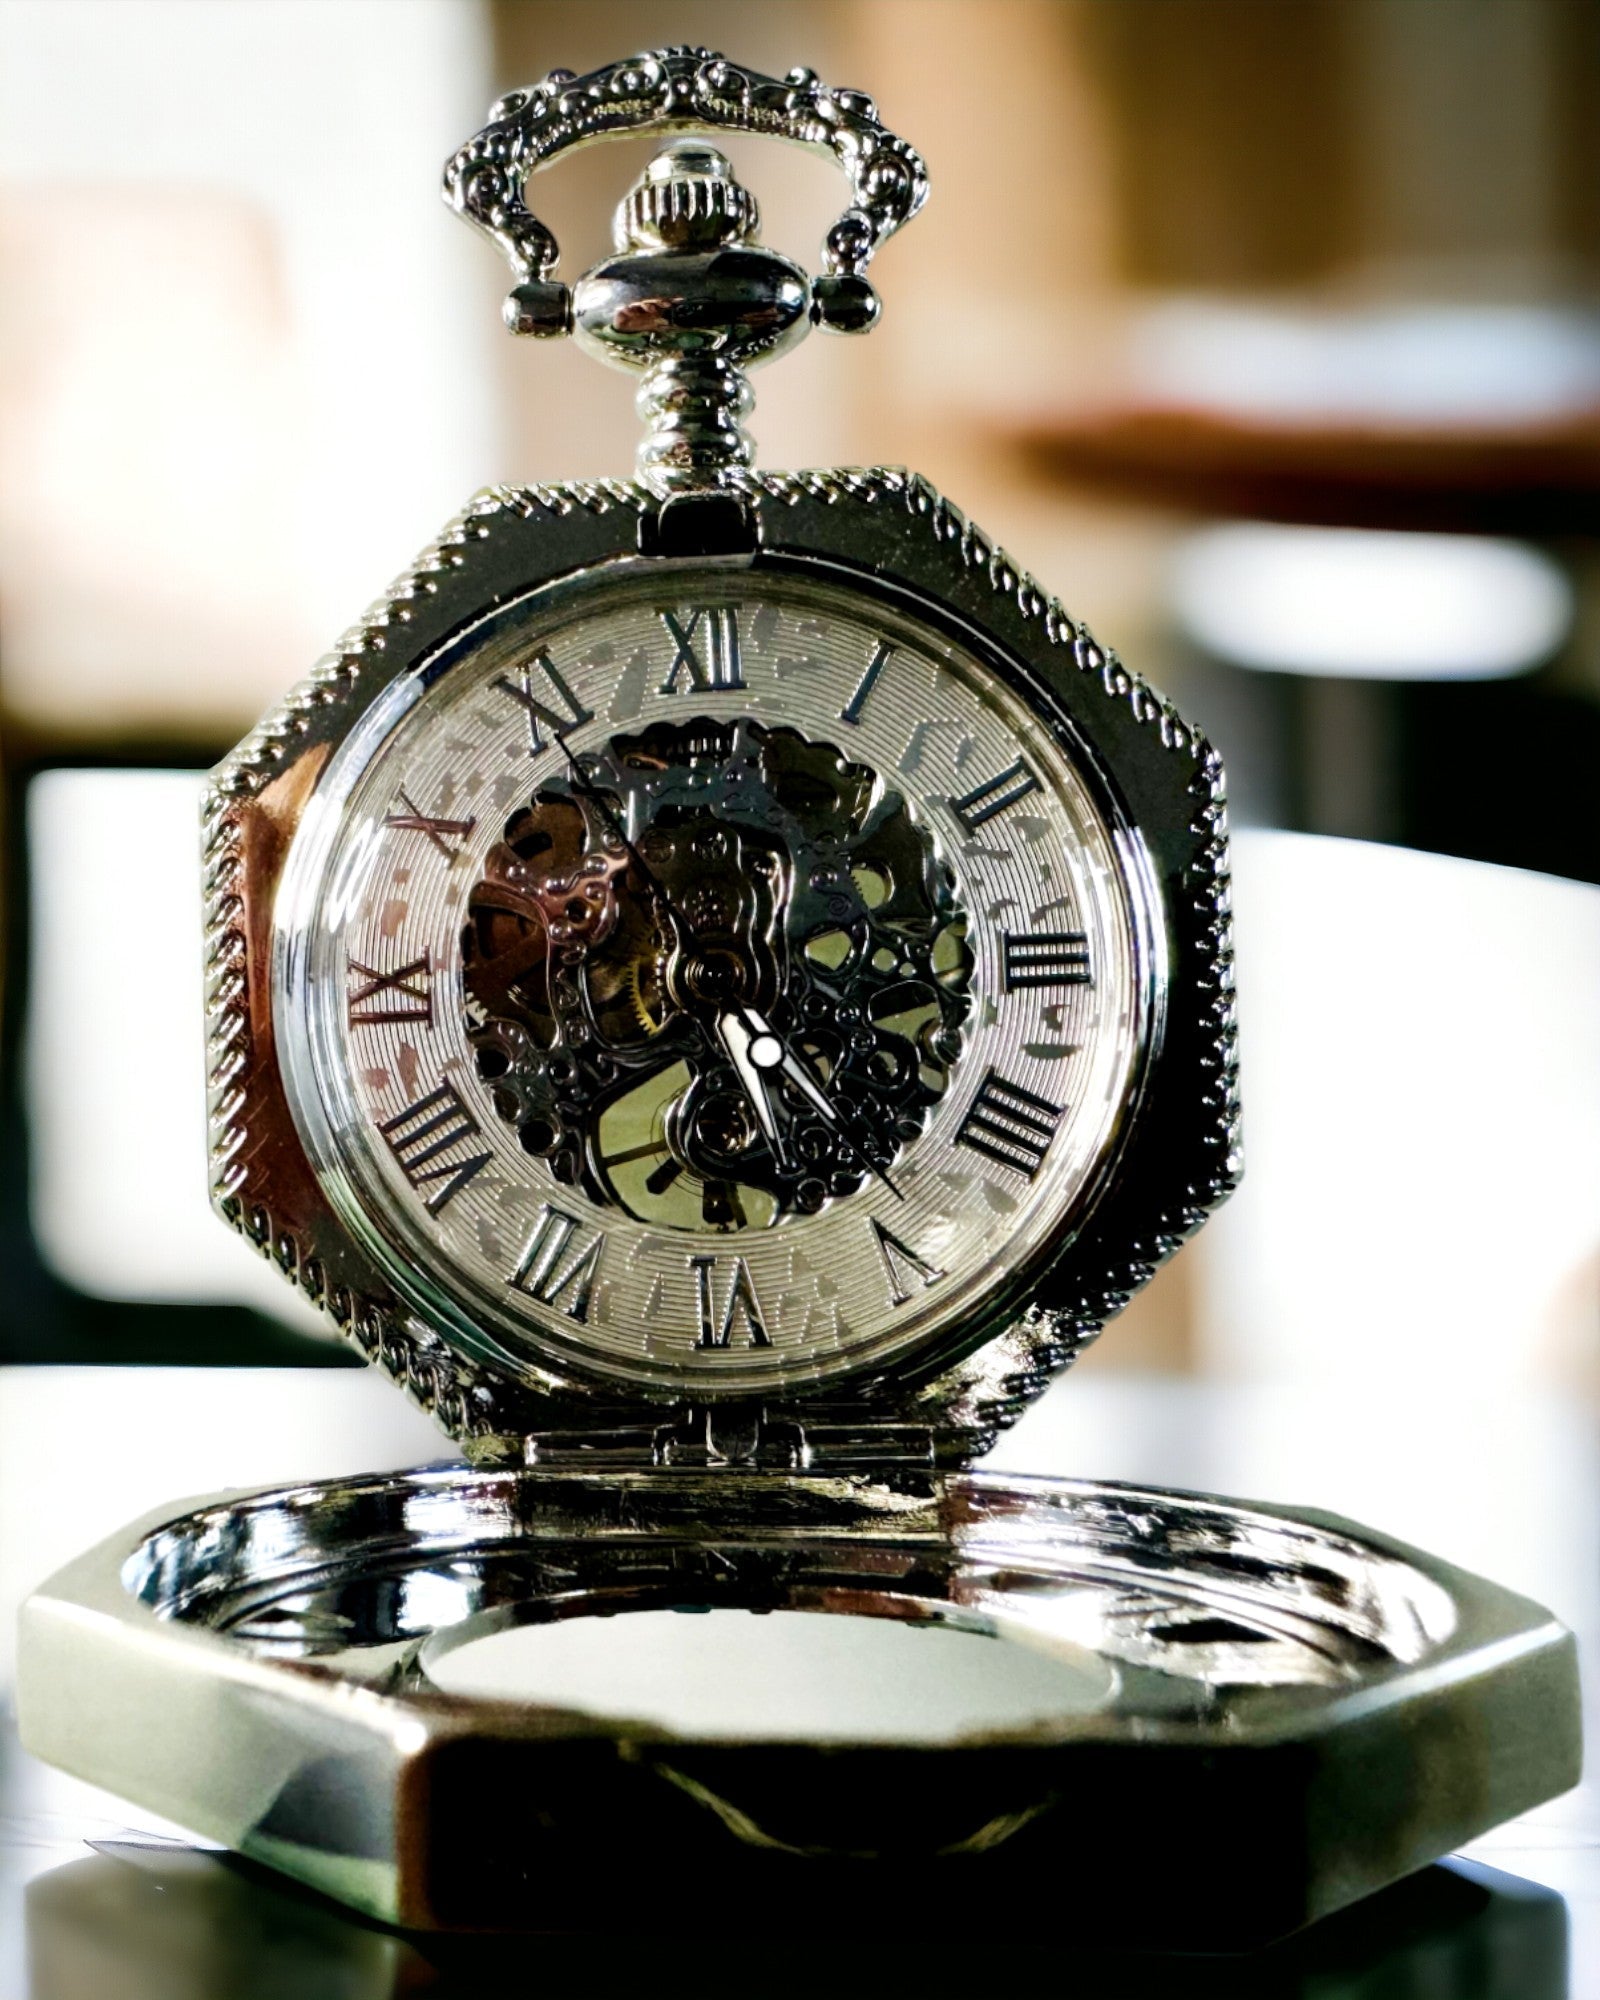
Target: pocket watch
pixel 720 986
pixel 717 968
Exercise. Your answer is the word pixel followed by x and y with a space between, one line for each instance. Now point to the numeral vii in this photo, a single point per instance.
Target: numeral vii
pixel 406 994
pixel 557 720
pixel 706 648
pixel 983 802
pixel 548 1274
pixel 743 1308
pixel 1045 958
pixel 1010 1124
pixel 423 1134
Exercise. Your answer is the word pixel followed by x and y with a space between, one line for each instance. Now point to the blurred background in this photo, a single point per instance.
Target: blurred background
pixel 1266 332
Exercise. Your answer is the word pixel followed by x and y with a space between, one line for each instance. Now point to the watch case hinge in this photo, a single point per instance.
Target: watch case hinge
pixel 716 1436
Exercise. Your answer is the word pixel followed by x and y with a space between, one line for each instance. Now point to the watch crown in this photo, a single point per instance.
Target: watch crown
pixel 686 199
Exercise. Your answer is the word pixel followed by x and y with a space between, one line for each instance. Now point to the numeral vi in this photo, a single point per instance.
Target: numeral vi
pixel 741 1312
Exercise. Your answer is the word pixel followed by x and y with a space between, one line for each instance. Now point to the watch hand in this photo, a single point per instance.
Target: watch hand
pixel 652 881
pixel 737 1042
pixel 768 1050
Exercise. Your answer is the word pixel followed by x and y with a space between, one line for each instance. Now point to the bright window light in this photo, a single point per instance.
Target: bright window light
pixel 1364 605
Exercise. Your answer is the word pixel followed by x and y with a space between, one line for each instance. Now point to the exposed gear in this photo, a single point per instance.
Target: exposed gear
pixel 800 888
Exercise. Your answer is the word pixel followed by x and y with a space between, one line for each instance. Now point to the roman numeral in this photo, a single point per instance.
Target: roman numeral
pixel 985 801
pixel 570 715
pixel 548 1274
pixel 904 1269
pixel 1010 1124
pixel 439 831
pixel 851 712
pixel 742 1306
pixel 421 1136
pixel 720 667
pixel 406 994
pixel 1045 958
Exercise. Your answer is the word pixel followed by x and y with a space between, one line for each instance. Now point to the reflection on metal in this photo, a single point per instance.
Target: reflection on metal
pixel 166 1923
pixel 1331 1709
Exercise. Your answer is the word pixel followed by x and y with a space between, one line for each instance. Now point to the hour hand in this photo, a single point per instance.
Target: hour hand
pixel 767 1051
pixel 747 1049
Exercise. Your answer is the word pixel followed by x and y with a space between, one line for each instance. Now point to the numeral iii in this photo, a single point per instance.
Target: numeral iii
pixel 1045 958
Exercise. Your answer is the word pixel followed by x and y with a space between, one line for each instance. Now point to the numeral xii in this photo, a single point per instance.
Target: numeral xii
pixel 705 647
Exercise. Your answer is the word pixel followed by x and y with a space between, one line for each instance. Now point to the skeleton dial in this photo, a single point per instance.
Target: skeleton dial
pixel 724 982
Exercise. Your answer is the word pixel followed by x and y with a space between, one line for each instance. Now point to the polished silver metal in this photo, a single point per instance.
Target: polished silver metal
pixel 691 298
pixel 887 539
pixel 1289 1713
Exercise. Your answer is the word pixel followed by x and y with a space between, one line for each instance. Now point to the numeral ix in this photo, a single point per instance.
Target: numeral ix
pixel 420 1136
pixel 1010 1124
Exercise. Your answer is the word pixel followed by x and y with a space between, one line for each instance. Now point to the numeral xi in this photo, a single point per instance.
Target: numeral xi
pixel 558 721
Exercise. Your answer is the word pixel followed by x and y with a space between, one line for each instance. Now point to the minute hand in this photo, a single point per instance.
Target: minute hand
pixel 791 1064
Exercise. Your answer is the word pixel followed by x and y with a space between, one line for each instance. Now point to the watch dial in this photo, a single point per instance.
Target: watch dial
pixel 718 981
